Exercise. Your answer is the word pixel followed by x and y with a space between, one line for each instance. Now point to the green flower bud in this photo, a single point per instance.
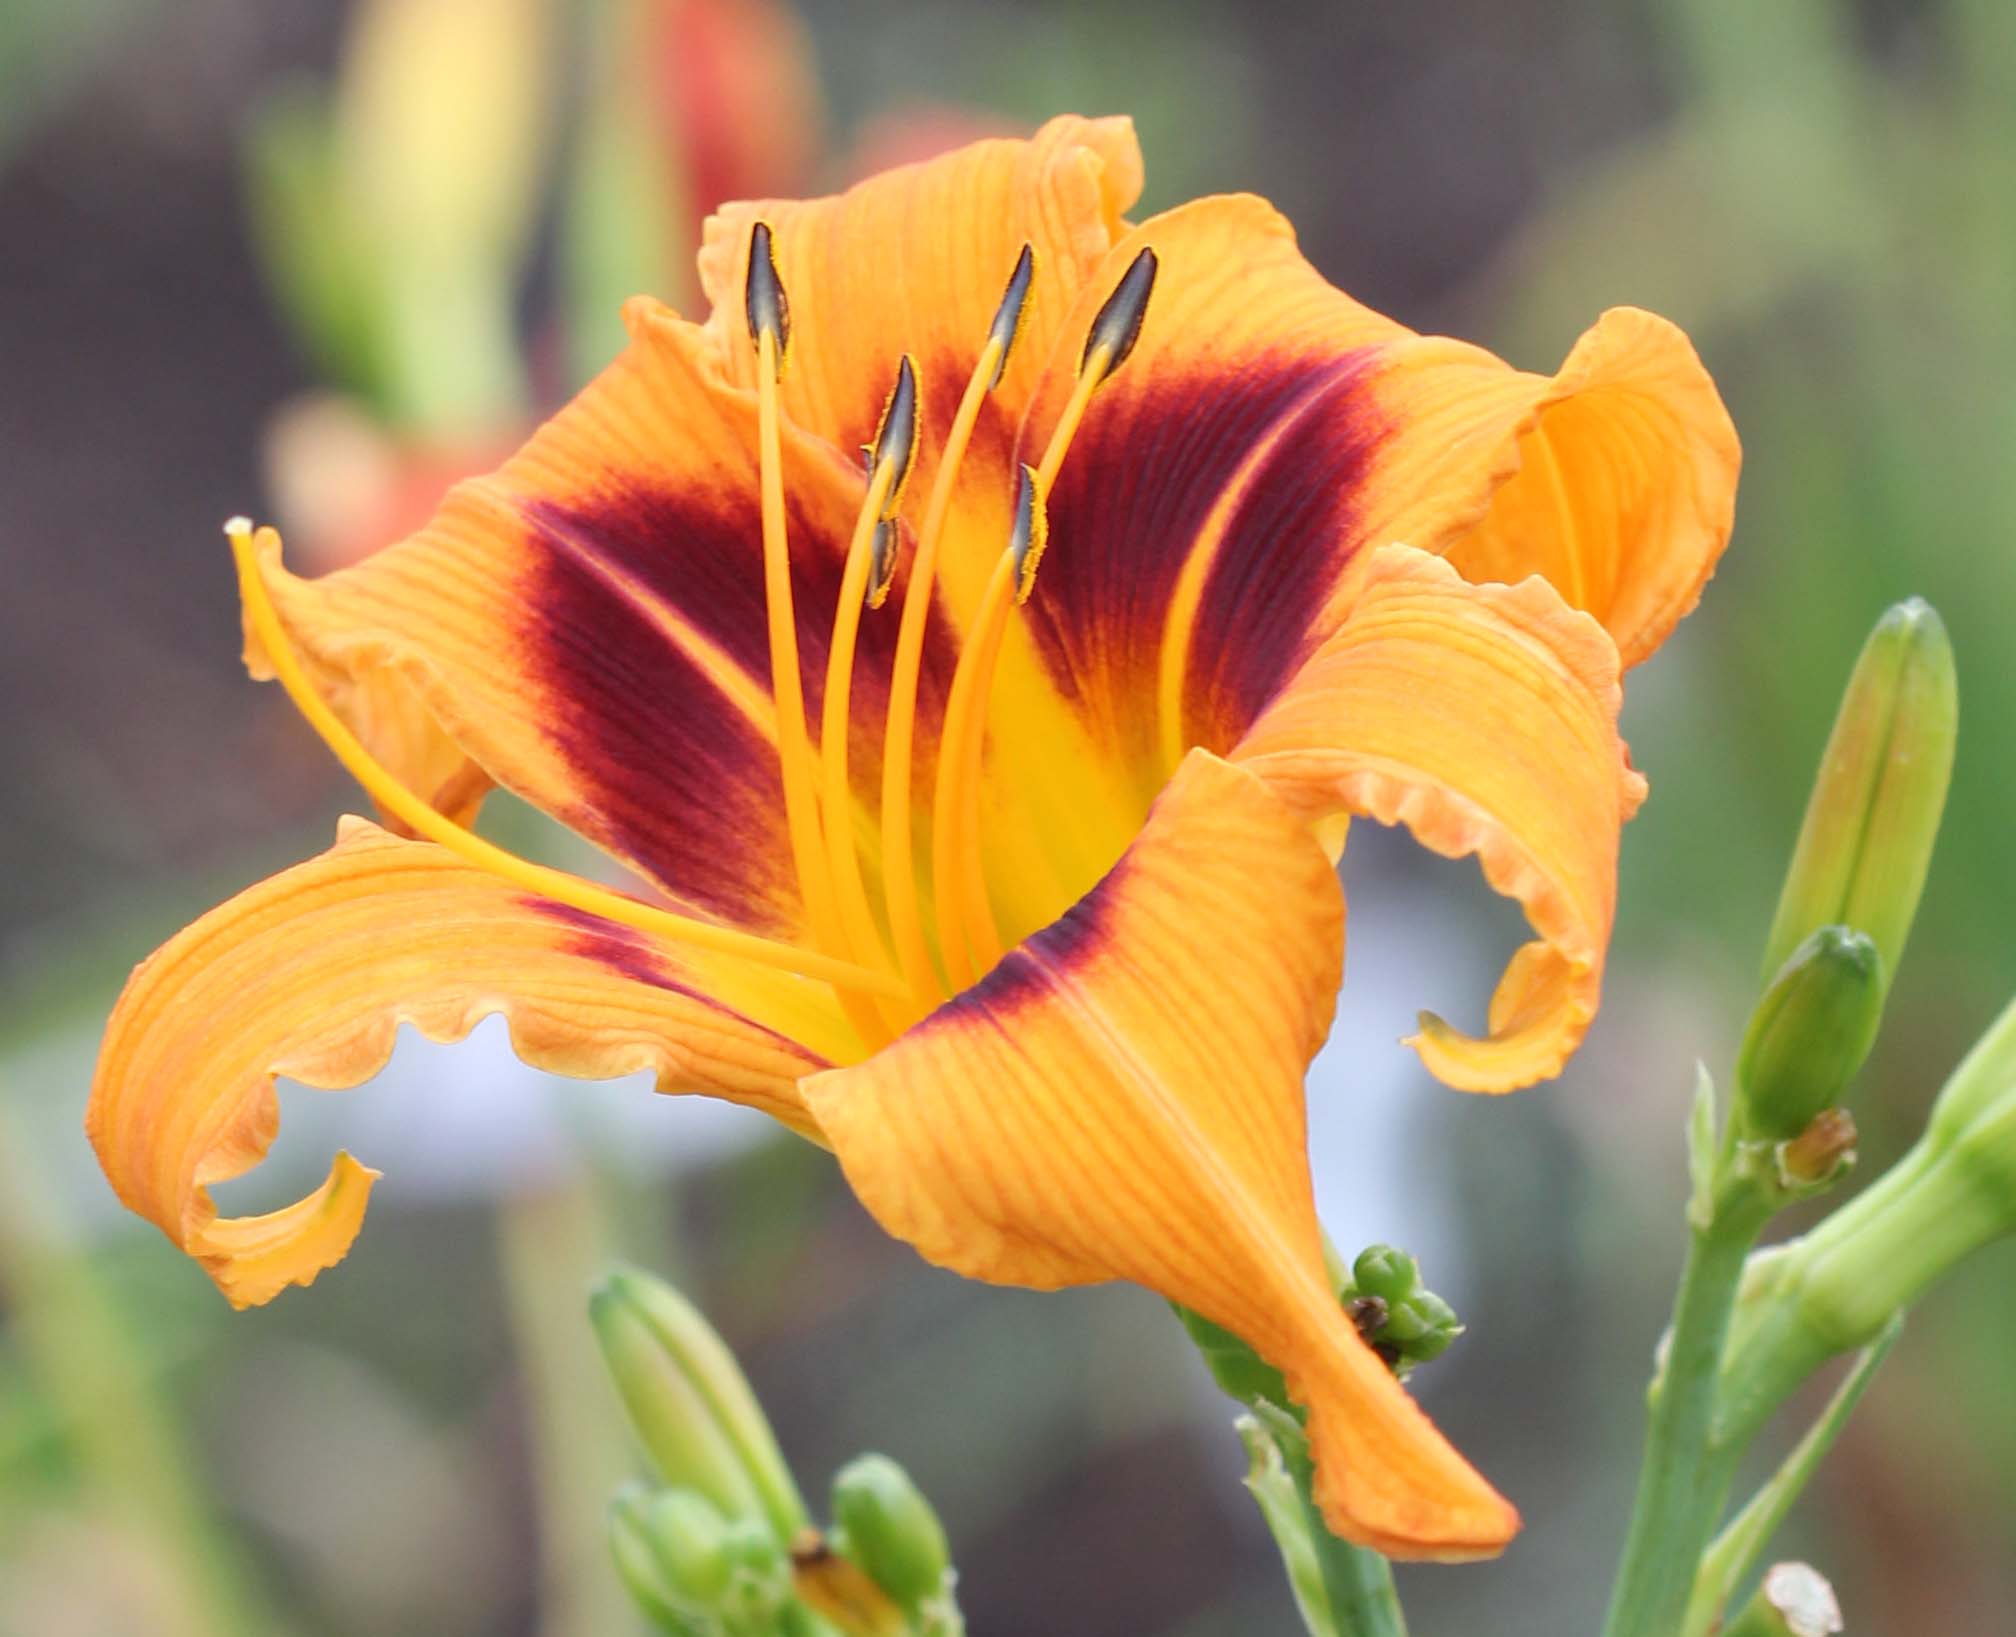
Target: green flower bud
pixel 1837 1287
pixel 1874 812
pixel 885 1524
pixel 1810 1033
pixel 1391 1275
pixel 690 1403
pixel 633 1544
pixel 692 1543
pixel 760 1583
pixel 1418 1329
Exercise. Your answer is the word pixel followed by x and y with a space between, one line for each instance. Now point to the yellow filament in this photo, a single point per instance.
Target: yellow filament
pixel 857 919
pixel 952 881
pixel 899 882
pixel 968 934
pixel 794 751
pixel 1066 429
pixel 423 820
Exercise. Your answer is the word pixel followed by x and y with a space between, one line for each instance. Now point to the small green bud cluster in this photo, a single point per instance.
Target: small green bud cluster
pixel 1382 1295
pixel 885 1527
pixel 694 1572
pixel 725 1548
pixel 1405 1323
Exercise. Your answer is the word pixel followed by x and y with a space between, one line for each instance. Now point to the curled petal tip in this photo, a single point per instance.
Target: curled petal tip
pixel 253 1258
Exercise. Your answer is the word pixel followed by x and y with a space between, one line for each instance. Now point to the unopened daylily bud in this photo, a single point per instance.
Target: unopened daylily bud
pixel 690 1403
pixel 638 1565
pixel 1838 1286
pixel 672 1552
pixel 691 1539
pixel 1391 1275
pixel 884 1523
pixel 1810 1033
pixel 1874 812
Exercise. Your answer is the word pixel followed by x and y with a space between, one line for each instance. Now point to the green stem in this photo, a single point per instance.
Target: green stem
pixel 1687 1469
pixel 1743 1541
pixel 1363 1601
pixel 1340 1590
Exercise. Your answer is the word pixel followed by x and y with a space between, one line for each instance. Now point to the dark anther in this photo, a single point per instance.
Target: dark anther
pixel 1118 325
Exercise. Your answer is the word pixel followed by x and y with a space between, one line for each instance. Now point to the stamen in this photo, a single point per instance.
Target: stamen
pixel 1117 325
pixel 770 328
pixel 968 932
pixel 1030 536
pixel 899 882
pixel 883 554
pixel 889 460
pixel 763 299
pixel 423 820
pixel 953 857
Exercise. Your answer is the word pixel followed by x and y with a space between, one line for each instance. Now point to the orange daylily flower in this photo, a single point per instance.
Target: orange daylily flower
pixel 992 795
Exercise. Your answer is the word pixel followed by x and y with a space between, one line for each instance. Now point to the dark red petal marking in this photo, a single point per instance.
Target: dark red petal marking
pixel 1156 454
pixel 674 775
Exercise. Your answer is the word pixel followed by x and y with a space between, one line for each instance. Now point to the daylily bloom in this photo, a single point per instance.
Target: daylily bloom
pixel 992 795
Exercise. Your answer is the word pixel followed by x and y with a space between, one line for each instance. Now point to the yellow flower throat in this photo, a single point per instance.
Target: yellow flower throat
pixel 882 992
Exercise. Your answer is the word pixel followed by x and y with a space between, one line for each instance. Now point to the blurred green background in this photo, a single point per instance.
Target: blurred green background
pixel 1823 194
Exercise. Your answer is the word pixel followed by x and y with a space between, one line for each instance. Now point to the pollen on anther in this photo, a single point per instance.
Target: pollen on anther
pixel 764 300
pixel 896 436
pixel 1030 535
pixel 1014 307
pixel 884 551
pixel 1118 324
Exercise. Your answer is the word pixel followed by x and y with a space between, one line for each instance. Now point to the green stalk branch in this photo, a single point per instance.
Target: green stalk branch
pixel 1686 1472
pixel 1743 1541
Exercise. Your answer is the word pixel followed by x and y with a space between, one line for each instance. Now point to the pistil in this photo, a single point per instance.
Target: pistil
pixel 396 799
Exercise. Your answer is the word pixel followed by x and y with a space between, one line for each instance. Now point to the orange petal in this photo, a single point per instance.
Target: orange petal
pixel 914 260
pixel 310 973
pixel 1268 432
pixel 586 626
pixel 1122 1098
pixel 1485 719
pixel 1616 479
